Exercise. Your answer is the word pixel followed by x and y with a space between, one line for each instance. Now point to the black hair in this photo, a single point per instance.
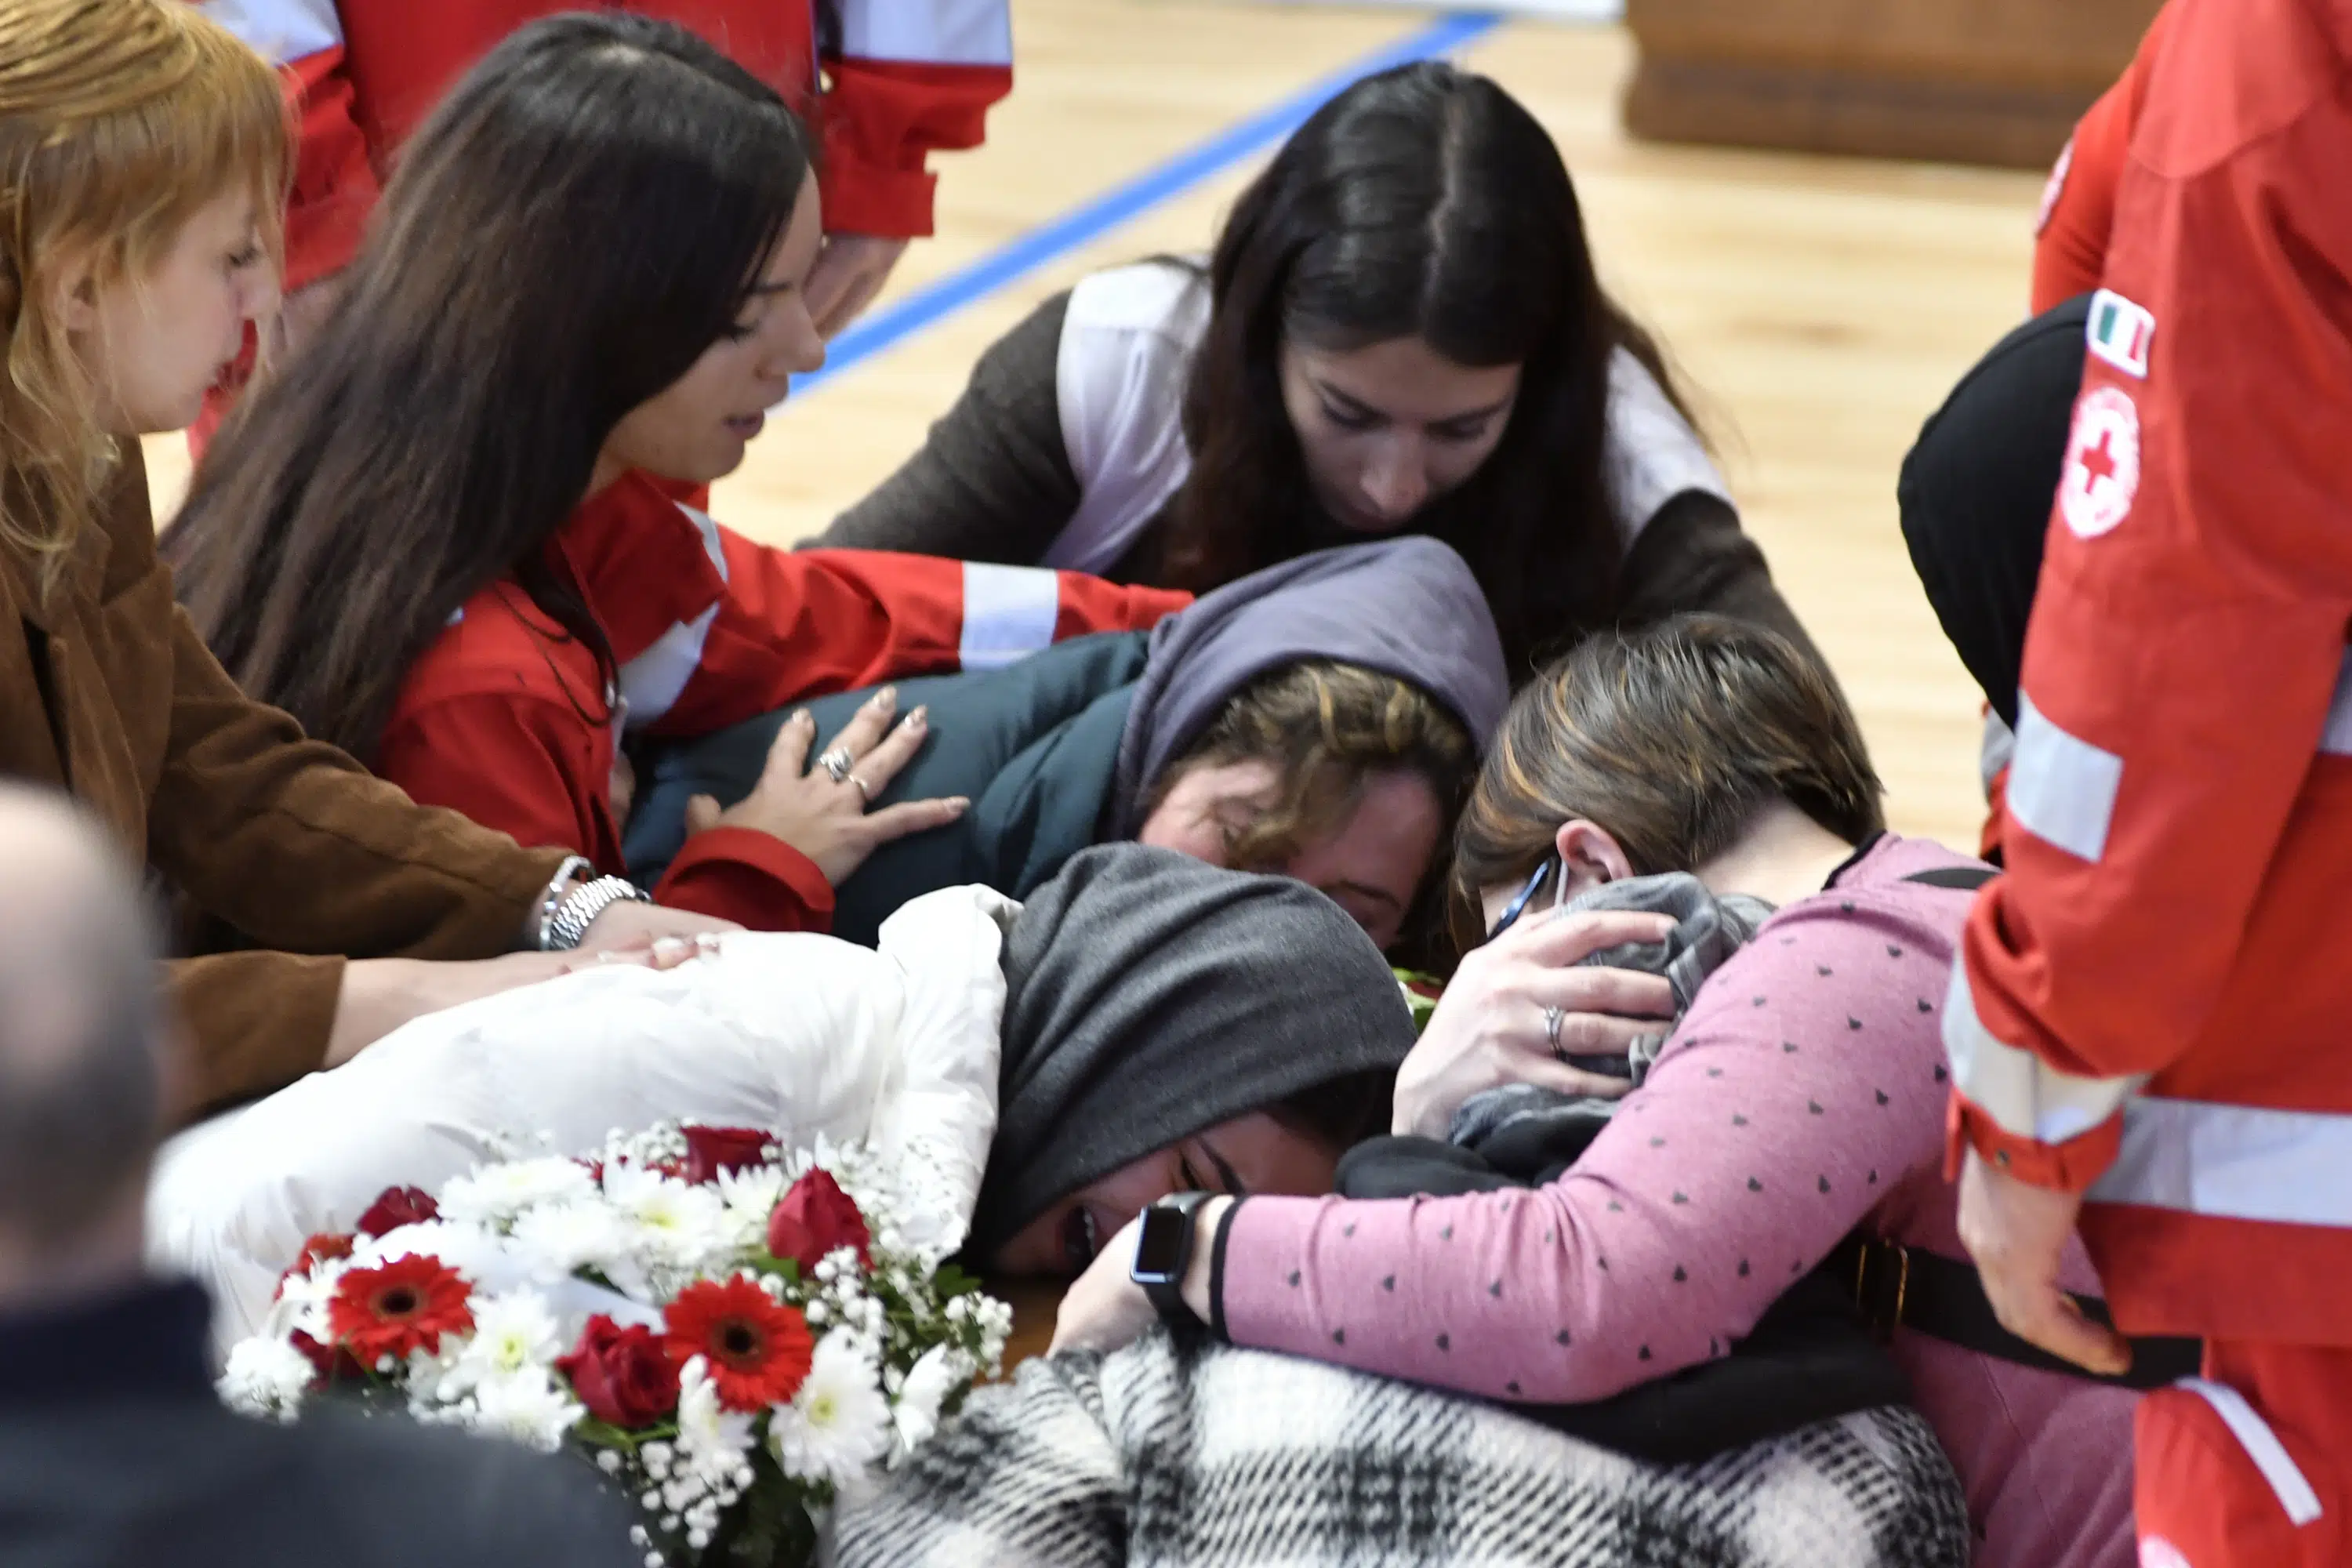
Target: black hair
pixel 1423 201
pixel 582 217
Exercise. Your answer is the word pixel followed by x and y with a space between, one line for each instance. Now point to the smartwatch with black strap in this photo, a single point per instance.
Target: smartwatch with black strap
pixel 1163 1251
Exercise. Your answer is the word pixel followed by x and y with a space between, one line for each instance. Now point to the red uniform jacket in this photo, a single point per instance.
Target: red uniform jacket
pixel 905 78
pixel 2157 999
pixel 505 718
pixel 2078 207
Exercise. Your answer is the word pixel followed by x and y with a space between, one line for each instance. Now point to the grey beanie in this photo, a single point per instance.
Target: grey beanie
pixel 1151 996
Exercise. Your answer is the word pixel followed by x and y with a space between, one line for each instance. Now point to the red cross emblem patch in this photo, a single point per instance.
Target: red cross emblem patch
pixel 2101 462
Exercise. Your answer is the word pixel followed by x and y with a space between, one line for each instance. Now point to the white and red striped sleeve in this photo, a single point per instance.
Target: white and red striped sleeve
pixel 905 79
pixel 786 625
pixel 335 183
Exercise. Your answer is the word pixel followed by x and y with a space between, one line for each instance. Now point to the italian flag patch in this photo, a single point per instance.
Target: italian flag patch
pixel 2120 332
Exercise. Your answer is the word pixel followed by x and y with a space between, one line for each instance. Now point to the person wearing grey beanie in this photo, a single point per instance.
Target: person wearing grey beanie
pixel 1171 1027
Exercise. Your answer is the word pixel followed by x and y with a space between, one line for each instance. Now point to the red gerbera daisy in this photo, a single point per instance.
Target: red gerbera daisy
pixel 406 1305
pixel 757 1348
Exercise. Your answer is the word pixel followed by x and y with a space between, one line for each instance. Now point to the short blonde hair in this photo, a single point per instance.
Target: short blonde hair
pixel 119 120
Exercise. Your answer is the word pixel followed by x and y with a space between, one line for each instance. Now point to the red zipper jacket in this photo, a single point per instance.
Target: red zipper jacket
pixel 902 78
pixel 2078 206
pixel 505 718
pixel 2156 1006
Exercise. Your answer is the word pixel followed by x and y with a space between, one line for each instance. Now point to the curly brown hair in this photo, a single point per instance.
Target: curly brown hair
pixel 1328 728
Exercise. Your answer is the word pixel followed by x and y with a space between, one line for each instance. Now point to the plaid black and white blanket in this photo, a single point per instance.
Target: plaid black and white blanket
pixel 1196 1453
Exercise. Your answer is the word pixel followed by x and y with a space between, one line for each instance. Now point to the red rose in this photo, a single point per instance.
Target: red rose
pixel 817 1217
pixel 624 1376
pixel 711 1150
pixel 396 1206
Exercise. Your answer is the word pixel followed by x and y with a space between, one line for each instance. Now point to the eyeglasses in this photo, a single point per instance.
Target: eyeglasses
pixel 1519 904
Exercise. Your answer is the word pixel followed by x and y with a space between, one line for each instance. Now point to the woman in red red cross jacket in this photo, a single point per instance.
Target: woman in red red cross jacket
pixel 446 534
pixel 2149 1027
pixel 887 81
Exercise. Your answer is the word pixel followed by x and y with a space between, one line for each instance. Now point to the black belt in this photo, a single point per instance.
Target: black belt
pixel 1900 1286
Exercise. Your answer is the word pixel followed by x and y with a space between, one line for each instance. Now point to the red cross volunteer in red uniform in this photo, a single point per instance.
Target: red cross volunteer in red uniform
pixel 2078 204
pixel 906 78
pixel 901 79
pixel 2155 1012
pixel 505 717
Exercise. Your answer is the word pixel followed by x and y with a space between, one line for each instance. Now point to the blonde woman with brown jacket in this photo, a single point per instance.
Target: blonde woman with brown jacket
pixel 144 158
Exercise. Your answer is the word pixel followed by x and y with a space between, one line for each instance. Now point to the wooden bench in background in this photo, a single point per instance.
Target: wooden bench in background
pixel 1966 82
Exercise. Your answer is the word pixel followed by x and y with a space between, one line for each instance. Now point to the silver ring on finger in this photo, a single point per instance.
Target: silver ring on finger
pixel 1553 1018
pixel 863 792
pixel 836 764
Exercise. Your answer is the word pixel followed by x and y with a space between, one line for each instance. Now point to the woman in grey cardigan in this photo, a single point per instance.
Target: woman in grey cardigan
pixel 1400 331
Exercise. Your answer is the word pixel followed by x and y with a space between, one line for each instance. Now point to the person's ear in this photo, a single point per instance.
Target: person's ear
pixel 1589 856
pixel 71 296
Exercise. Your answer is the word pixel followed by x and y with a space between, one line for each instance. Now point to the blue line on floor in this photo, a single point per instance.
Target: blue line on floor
pixel 887 328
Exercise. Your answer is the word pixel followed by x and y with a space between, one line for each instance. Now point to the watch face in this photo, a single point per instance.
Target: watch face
pixel 1160 1250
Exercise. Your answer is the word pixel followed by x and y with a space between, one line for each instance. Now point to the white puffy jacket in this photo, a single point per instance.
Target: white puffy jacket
pixel 801 1033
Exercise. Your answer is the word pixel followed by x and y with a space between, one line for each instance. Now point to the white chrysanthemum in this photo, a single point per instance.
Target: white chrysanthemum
pixel 472 1251
pixel 557 1239
pixel 302 1302
pixel 838 1424
pixel 495 1195
pixel 749 1197
pixel 426 1378
pixel 940 1370
pixel 267 1377
pixel 670 1223
pixel 514 1336
pixel 711 1441
pixel 531 1410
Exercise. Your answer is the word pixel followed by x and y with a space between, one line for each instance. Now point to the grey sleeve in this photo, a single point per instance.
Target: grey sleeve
pixel 1692 556
pixel 992 481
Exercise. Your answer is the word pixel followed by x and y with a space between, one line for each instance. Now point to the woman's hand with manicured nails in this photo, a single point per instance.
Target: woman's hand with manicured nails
pixel 1489 1028
pixel 827 821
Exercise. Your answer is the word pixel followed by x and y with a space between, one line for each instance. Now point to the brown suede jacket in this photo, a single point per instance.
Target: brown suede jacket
pixel 110 693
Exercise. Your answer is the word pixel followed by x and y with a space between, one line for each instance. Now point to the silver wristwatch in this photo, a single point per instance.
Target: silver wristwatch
pixel 568 922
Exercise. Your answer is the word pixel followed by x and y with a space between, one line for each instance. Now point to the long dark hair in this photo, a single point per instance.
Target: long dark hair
pixel 581 218
pixel 1421 201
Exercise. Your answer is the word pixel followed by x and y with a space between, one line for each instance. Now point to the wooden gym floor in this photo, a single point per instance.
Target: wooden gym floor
pixel 1819 308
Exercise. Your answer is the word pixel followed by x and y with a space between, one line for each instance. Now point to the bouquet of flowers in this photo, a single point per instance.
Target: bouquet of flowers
pixel 735 1335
